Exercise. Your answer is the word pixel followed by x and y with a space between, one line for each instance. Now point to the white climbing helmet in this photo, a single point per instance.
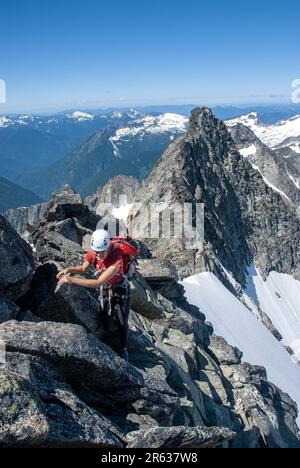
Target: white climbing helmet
pixel 100 241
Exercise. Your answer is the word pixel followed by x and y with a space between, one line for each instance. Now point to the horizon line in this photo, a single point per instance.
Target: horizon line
pixel 64 110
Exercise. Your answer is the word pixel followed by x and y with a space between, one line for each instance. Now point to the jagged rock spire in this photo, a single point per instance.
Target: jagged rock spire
pixel 245 220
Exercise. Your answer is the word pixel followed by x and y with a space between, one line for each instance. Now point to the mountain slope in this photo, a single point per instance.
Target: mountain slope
pixel 245 220
pixel 24 149
pixel 248 226
pixel 233 320
pixel 12 196
pixel 183 385
pixel 119 189
pixel 130 149
pixel 29 143
pixel 282 134
pixel 274 168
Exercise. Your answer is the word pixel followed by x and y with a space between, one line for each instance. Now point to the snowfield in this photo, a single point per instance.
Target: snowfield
pixel 4 122
pixel 269 184
pixel 284 133
pixel 279 298
pixel 80 116
pixel 241 327
pixel 164 123
pixel 248 151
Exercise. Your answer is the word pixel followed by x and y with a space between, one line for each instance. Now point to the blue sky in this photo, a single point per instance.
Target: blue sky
pixel 85 54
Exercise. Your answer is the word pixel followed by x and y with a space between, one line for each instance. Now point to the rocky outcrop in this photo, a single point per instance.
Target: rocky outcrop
pixel 60 303
pixel 245 220
pixel 118 189
pixel 223 353
pixel 8 310
pixel 62 386
pixel 62 233
pixel 22 219
pixel 181 437
pixel 68 204
pixel 39 409
pixel 17 263
pixel 266 160
pixel 162 277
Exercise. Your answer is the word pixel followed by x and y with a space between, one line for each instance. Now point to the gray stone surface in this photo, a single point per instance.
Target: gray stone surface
pixel 8 310
pixel 38 409
pixel 61 386
pixel 180 438
pixel 223 352
pixel 25 217
pixel 274 167
pixel 17 263
pixel 82 357
pixel 240 209
pixel 112 191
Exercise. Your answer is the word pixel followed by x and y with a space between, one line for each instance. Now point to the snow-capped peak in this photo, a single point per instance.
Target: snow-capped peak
pixel 133 112
pixel 79 116
pixel 116 115
pixel 171 122
pixel 250 120
pixel 283 133
pixel 164 123
pixel 4 122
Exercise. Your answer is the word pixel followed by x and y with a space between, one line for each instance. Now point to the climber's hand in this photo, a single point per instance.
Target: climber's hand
pixel 65 279
pixel 62 273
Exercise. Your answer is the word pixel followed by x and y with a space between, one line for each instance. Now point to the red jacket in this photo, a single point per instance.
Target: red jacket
pixel 114 258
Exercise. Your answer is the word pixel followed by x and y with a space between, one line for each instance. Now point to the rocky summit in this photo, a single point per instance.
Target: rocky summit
pixel 184 387
pixel 245 220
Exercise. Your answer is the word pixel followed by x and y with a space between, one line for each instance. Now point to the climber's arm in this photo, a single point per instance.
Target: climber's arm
pixel 78 270
pixel 96 283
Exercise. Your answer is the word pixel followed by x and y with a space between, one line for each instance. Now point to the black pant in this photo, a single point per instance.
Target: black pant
pixel 115 306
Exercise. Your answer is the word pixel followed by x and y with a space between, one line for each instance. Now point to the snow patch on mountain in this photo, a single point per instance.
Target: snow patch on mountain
pixel 248 151
pixel 269 184
pixel 279 298
pixel 115 147
pixel 116 115
pixel 240 327
pixel 4 122
pixel 79 116
pixel 165 123
pixel 296 181
pixel 295 147
pixel 283 133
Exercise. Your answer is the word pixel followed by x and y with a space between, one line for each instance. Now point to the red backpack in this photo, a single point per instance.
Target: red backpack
pixel 129 253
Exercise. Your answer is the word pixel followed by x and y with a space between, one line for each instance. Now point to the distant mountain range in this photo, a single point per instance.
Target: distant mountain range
pixel 270 114
pixel 31 142
pixel 85 149
pixel 13 196
pixel 284 134
pixel 130 148
pixel 273 150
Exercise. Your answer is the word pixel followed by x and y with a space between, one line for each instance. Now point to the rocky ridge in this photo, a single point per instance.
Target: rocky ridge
pixel 62 386
pixel 245 222
pixel 274 168
pixel 24 218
